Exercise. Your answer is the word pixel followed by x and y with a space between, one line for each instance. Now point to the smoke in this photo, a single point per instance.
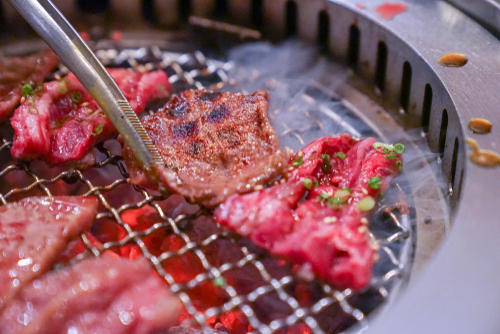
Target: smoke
pixel 304 105
pixel 302 84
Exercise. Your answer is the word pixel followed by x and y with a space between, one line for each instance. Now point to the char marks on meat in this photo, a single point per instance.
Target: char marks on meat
pixel 100 295
pixel 32 233
pixel 18 71
pixel 213 145
pixel 63 122
pixel 315 217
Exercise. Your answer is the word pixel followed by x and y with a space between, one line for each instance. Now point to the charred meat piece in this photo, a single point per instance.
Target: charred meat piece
pixel 100 295
pixel 213 145
pixel 18 71
pixel 319 216
pixel 62 122
pixel 32 233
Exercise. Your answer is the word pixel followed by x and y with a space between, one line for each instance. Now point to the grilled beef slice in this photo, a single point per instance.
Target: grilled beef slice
pixel 213 145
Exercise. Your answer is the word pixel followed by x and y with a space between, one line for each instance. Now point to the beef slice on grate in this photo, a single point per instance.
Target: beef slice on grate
pixel 99 295
pixel 62 122
pixel 18 71
pixel 319 216
pixel 32 233
pixel 213 145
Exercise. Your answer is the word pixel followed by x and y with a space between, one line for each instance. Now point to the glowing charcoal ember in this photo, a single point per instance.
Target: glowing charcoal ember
pixel 322 226
pixel 33 232
pixel 22 72
pixel 63 122
pixel 235 322
pixel 99 295
pixel 75 247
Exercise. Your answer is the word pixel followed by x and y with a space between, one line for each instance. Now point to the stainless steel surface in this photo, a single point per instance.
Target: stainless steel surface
pixel 458 290
pixel 328 310
pixel 53 27
pixel 487 11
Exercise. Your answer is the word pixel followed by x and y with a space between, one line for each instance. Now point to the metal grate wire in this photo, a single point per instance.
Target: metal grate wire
pixel 347 307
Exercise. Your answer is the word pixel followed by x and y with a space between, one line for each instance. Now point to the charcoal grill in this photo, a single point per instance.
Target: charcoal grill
pixel 398 85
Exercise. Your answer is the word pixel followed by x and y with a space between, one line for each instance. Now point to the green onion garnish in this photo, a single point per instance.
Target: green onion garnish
pixel 98 129
pixel 27 90
pixel 308 183
pixel 335 202
pixel 366 204
pixel 390 156
pixel 323 196
pixel 341 155
pixel 297 162
pixel 220 282
pixel 374 182
pixel 380 147
pixel 342 194
pixel 347 189
pixel 76 96
pixel 399 148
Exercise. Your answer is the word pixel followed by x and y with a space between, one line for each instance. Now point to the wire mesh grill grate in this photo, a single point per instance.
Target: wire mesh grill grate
pixel 265 289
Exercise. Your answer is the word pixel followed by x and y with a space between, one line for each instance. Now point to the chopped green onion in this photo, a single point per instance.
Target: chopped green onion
pixel 399 148
pixel 379 147
pixel 347 189
pixel 27 90
pixel 323 196
pixel 316 184
pixel 308 183
pixel 374 182
pixel 342 194
pixel 326 165
pixel 366 204
pixel 341 155
pixel 297 162
pixel 220 282
pixel 76 96
pixel 98 129
pixel 390 156
pixel 335 202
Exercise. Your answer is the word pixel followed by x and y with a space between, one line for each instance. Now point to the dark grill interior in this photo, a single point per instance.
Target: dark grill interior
pixel 217 275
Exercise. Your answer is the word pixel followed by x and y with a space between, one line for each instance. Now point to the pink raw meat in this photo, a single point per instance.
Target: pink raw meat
pixel 32 233
pixel 293 220
pixel 63 122
pixel 99 295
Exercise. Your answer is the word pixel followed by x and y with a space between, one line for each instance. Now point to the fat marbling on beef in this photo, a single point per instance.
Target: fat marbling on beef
pixel 213 145
pixel 62 122
pixel 319 216
pixel 100 295
pixel 32 233
pixel 18 71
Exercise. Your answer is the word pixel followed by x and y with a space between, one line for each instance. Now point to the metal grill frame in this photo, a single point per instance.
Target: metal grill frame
pixel 209 67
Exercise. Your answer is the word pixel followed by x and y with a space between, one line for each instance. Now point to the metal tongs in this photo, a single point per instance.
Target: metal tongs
pixel 60 35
